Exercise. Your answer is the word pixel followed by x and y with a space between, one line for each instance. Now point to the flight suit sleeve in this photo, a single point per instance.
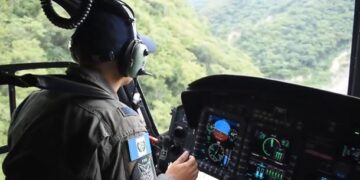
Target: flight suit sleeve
pixel 139 159
pixel 127 153
pixel 128 159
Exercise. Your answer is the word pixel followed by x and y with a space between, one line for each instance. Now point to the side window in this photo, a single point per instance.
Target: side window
pixel 26 36
pixel 11 96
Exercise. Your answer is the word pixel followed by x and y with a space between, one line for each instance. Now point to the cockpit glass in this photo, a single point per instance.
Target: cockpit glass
pixel 306 42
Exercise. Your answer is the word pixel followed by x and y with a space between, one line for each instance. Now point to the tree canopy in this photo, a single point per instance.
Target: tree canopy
pixel 294 40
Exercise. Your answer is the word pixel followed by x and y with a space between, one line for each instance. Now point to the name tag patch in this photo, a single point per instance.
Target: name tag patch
pixel 139 146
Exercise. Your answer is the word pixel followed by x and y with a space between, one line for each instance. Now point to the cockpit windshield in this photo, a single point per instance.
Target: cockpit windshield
pixel 305 42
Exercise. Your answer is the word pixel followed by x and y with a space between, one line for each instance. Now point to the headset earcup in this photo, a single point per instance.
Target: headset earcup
pixel 127 61
pixel 136 58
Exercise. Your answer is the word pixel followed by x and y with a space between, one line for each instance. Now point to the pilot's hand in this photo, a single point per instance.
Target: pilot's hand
pixel 184 168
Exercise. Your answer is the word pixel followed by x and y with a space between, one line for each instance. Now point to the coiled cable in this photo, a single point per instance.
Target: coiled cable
pixel 66 23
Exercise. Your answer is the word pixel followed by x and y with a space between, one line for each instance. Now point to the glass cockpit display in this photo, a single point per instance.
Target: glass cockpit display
pixel 269 156
pixel 220 136
pixel 271 146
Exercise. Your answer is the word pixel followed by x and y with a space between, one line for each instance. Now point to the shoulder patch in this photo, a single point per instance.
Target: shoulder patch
pixel 144 169
pixel 139 146
pixel 126 111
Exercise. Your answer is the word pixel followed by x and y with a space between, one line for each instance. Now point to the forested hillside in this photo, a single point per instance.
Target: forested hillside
pixel 287 39
pixel 187 50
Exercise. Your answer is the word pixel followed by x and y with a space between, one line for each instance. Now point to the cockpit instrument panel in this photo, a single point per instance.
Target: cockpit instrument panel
pixel 252 128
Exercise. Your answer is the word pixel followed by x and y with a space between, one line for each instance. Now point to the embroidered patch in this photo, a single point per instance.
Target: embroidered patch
pixel 126 111
pixel 139 146
pixel 145 168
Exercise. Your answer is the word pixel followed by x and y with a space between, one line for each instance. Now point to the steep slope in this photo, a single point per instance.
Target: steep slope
pixel 287 39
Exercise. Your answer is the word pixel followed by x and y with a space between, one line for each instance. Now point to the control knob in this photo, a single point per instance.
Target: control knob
pixel 179 132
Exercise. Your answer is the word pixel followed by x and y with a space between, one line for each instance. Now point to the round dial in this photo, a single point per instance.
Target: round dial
pixel 270 146
pixel 216 152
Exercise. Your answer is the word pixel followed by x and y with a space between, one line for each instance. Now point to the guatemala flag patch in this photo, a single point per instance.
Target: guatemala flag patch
pixel 139 146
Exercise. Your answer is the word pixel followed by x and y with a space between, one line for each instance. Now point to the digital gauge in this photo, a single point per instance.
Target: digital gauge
pixel 270 146
pixel 221 130
pixel 218 142
pixel 216 152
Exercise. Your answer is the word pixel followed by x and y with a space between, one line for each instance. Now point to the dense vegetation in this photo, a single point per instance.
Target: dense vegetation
pixel 287 39
pixel 186 50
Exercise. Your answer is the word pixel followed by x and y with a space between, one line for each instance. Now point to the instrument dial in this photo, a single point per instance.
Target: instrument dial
pixel 270 146
pixel 216 152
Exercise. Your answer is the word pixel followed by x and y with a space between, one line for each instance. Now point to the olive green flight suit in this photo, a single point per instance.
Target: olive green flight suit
pixel 70 136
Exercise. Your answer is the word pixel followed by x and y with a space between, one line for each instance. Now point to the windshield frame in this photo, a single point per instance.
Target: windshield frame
pixel 354 77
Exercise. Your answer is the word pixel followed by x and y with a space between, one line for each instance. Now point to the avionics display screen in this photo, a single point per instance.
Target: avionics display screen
pixel 271 146
pixel 219 141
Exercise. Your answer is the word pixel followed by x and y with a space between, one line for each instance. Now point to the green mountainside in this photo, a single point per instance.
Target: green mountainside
pixel 286 39
pixel 187 50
